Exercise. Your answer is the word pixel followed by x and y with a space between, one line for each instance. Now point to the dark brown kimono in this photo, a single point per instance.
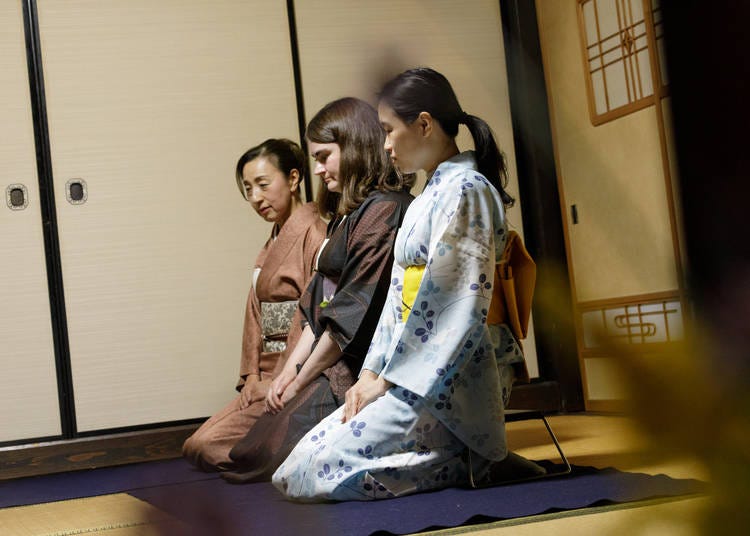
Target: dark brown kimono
pixel 286 264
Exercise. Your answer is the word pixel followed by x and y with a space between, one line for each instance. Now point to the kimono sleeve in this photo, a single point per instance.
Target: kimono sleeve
pixel 252 340
pixel 352 315
pixel 383 337
pixel 448 318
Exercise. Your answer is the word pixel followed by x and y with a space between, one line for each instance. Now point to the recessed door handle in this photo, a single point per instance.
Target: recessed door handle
pixel 76 191
pixel 17 196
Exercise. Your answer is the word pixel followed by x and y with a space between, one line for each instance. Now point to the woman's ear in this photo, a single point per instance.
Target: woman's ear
pixel 293 180
pixel 425 123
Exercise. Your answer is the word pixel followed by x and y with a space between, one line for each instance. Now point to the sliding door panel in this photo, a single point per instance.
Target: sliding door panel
pixel 150 105
pixel 28 385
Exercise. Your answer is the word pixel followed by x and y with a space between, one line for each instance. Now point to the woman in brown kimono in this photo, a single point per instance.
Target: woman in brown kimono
pixel 343 302
pixel 269 177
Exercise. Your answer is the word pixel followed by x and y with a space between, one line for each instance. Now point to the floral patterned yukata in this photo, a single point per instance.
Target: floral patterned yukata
pixel 448 367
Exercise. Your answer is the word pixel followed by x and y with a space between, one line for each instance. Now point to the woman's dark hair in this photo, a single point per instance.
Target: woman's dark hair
pixel 364 165
pixel 426 90
pixel 284 154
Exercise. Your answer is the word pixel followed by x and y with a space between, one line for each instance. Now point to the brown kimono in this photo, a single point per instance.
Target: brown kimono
pixel 286 265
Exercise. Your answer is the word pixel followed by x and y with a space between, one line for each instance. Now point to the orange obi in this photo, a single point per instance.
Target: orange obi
pixel 513 288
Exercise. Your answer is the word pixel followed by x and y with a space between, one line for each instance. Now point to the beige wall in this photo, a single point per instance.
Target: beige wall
pixel 613 173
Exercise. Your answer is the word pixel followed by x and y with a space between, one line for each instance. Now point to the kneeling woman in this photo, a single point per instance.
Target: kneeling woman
pixel 427 410
pixel 269 176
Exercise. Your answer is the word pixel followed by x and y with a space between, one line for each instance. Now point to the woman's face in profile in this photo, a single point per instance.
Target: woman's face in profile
pixel 269 190
pixel 327 158
pixel 402 141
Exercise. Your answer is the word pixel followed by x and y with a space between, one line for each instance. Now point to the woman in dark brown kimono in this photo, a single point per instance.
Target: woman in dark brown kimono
pixel 269 177
pixel 343 302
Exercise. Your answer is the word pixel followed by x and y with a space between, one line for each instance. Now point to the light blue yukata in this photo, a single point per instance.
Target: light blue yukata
pixel 448 367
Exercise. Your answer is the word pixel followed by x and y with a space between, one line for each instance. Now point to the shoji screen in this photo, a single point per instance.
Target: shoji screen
pixel 349 47
pixel 150 104
pixel 28 387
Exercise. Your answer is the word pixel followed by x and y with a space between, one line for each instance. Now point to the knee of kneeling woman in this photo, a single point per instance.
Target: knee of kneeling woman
pixel 205 455
pixel 289 481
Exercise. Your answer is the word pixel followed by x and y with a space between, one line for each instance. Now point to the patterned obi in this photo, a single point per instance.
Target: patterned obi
pixel 275 323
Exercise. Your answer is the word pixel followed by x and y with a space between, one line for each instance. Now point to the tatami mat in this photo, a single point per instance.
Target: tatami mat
pixel 112 515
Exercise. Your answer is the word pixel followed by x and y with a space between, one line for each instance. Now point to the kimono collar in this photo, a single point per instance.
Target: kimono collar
pixel 299 221
pixel 458 163
pixel 294 227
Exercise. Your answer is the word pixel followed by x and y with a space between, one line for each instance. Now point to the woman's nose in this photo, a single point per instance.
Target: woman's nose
pixel 255 194
pixel 319 168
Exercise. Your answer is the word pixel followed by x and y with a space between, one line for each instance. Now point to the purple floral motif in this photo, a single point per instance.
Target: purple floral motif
pixel 357 427
pixel 409 397
pixel 329 474
pixel 326 472
pixel 483 283
pixel 442 474
pixel 317 437
pixel 443 248
pixel 432 289
pixel 444 402
pixel 366 452
pixel 477 222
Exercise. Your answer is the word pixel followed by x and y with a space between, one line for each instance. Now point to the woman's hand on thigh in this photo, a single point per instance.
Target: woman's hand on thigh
pixel 369 387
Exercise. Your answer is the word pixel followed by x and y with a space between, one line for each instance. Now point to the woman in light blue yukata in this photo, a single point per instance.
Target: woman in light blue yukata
pixel 427 410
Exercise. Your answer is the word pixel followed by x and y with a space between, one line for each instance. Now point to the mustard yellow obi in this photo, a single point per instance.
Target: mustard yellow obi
pixel 412 280
pixel 513 287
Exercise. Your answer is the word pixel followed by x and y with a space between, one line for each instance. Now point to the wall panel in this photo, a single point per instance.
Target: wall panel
pixel 151 104
pixel 28 386
pixel 622 243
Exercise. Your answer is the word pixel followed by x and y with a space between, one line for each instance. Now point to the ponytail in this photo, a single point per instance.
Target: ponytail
pixel 490 160
pixel 424 89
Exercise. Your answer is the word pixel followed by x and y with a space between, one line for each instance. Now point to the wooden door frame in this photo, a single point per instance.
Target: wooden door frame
pixel 558 387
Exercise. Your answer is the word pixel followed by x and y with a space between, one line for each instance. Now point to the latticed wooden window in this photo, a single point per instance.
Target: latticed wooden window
pixel 624 55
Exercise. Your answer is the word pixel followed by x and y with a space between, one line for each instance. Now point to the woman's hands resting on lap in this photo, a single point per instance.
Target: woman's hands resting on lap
pixel 250 392
pixel 369 387
pixel 282 390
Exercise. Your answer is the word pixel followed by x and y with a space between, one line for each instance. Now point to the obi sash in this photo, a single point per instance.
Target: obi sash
pixel 275 323
pixel 512 289
pixel 412 280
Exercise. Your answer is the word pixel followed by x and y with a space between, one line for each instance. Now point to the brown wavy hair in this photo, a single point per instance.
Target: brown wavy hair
pixel 364 165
